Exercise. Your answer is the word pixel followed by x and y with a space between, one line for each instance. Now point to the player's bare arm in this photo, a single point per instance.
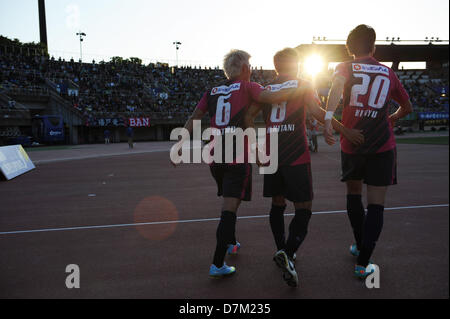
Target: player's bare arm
pixel 334 97
pixel 269 97
pixel 354 136
pixel 401 112
pixel 196 115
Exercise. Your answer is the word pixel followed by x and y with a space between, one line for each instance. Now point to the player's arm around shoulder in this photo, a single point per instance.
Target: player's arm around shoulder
pixel 271 97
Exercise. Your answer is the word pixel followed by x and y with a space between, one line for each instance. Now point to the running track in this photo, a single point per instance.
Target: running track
pixel 138 228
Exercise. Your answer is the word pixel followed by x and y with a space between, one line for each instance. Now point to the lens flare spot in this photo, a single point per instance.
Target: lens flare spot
pixel 156 209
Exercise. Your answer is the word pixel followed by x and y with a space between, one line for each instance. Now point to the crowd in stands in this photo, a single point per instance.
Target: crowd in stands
pixel 118 86
pixel 429 96
pixel 127 86
pixel 20 72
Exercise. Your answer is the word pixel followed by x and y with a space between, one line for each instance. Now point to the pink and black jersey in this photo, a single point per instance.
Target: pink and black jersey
pixel 227 104
pixel 288 119
pixel 369 88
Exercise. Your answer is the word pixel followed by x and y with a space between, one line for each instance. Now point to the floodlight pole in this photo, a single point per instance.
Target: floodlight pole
pixel 177 47
pixel 81 35
pixel 43 24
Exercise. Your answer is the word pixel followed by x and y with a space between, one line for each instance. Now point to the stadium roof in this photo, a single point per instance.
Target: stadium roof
pixel 392 52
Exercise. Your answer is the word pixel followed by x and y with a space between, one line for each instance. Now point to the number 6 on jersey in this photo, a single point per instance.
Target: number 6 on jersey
pixel 223 110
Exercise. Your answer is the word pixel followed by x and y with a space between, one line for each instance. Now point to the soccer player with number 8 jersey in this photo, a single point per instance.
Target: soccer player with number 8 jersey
pixel 293 178
pixel 367 88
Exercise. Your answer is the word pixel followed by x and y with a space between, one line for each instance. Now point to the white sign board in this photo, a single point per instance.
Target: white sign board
pixel 14 161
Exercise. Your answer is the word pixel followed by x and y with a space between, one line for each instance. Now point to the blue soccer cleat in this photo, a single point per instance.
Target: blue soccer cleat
pixel 363 272
pixel 354 250
pixel 223 271
pixel 233 249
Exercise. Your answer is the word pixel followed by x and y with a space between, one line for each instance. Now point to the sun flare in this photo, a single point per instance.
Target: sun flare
pixel 313 65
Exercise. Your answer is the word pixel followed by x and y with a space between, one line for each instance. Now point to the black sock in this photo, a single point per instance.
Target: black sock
pixel 356 215
pixel 297 230
pixel 373 225
pixel 225 235
pixel 277 225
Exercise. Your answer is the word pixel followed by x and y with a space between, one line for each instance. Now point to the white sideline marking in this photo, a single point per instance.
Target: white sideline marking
pixel 193 221
pixel 94 156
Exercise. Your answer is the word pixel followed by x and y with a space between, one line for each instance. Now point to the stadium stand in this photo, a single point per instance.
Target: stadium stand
pixel 119 86
pixel 108 93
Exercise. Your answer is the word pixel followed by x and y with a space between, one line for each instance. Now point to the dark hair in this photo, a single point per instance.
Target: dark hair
pixel 361 40
pixel 283 59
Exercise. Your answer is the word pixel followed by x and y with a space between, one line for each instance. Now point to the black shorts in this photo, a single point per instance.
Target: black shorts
pixel 373 169
pixel 292 182
pixel 233 181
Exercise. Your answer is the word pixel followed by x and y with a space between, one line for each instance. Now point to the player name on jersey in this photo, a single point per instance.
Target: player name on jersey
pixel 224 130
pixel 366 113
pixel 281 128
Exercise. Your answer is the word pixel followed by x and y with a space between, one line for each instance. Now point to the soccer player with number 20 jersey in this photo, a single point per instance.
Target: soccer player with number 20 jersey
pixel 367 88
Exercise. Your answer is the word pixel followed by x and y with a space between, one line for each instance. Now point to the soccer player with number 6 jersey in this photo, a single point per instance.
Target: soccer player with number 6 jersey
pixel 227 105
pixel 367 88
